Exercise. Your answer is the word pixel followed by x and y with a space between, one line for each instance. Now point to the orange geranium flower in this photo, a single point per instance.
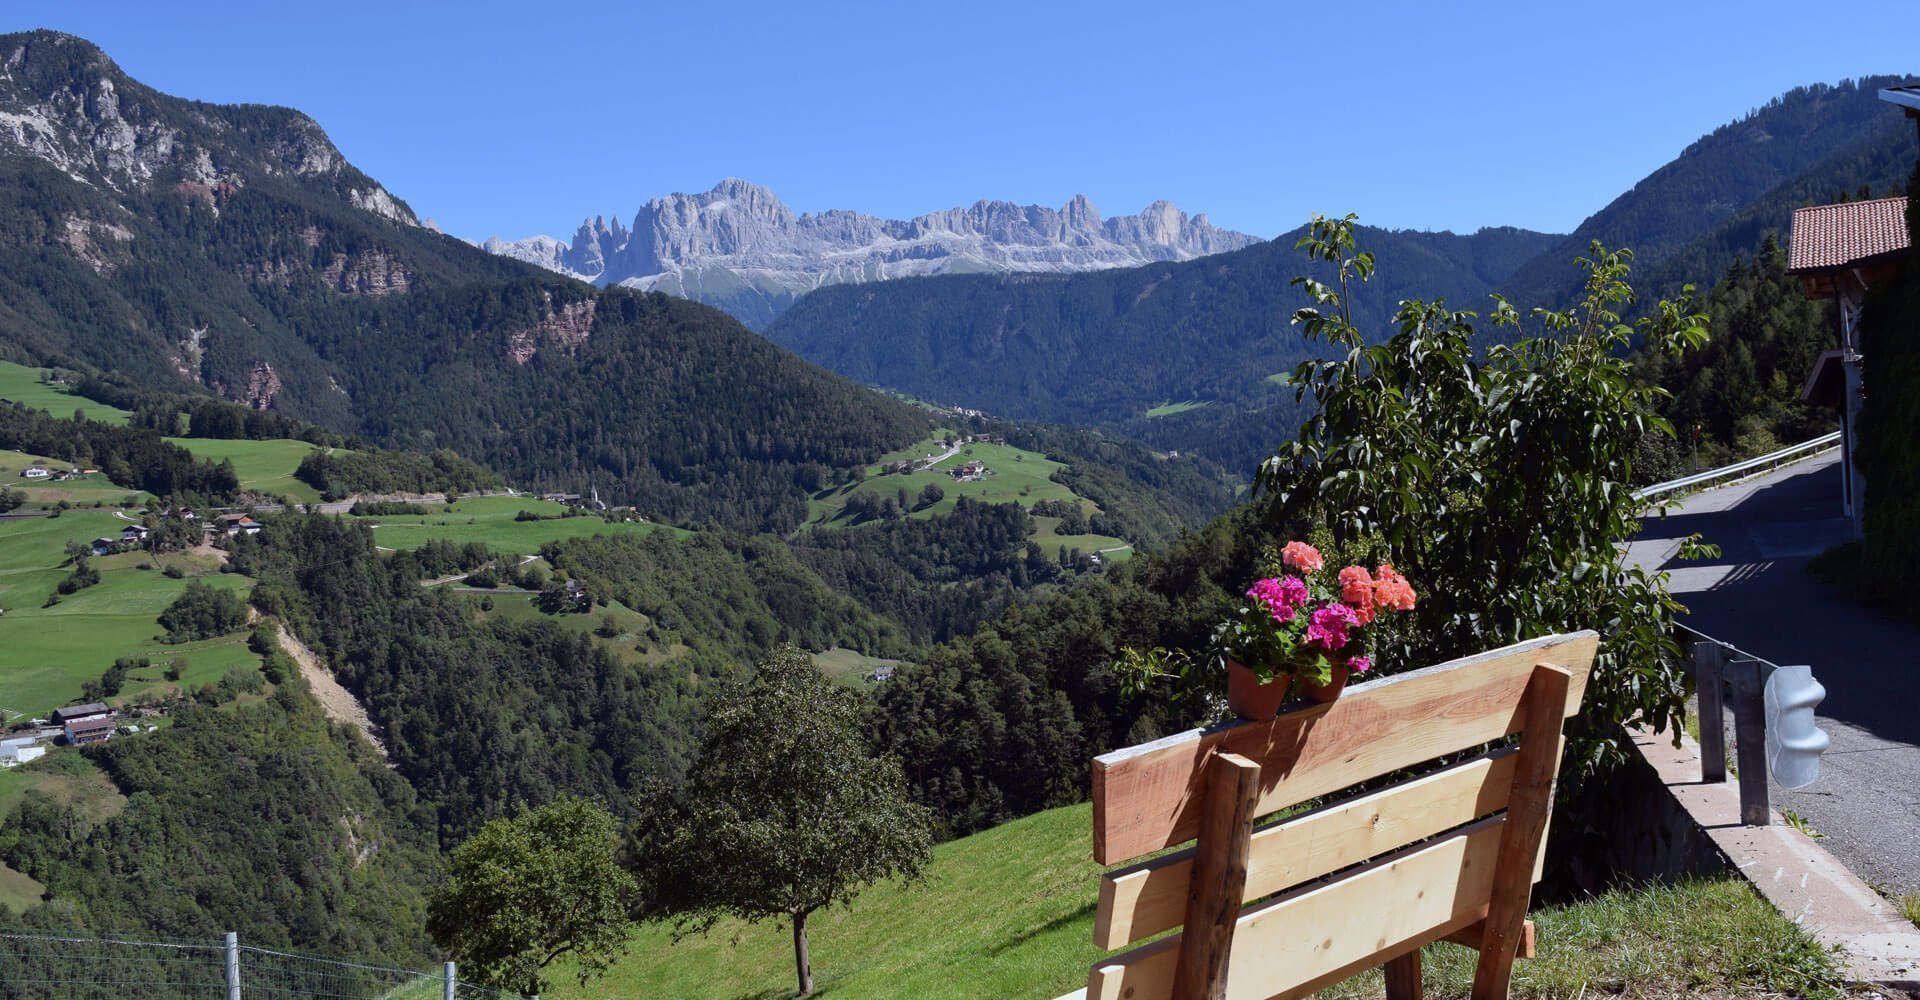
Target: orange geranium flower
pixel 1302 557
pixel 1391 590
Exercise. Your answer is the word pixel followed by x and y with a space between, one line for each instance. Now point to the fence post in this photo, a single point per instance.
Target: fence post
pixel 233 966
pixel 452 987
pixel 1750 732
pixel 1708 658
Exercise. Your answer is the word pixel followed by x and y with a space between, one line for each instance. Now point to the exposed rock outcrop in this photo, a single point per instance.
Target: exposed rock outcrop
pixel 567 326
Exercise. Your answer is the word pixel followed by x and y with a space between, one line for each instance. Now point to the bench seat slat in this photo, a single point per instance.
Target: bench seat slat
pixel 1401 902
pixel 1144 899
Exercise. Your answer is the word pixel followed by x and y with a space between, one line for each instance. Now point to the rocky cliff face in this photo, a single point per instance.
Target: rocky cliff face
pixel 62 101
pixel 740 248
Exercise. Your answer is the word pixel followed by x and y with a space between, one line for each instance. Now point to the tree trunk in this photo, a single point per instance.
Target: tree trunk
pixel 801 963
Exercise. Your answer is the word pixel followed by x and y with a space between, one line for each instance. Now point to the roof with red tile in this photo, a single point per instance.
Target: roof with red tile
pixel 1836 236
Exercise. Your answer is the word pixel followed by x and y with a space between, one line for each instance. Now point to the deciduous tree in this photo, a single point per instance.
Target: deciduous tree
pixel 785 811
pixel 530 890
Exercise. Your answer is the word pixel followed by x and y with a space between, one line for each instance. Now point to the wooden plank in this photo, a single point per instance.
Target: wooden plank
pixel 1219 877
pixel 1322 933
pixel 1525 831
pixel 1750 740
pixel 1144 899
pixel 1403 977
pixel 1145 798
pixel 1708 658
pixel 1471 937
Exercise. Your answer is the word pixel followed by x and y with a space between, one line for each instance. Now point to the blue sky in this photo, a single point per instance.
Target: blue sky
pixel 513 119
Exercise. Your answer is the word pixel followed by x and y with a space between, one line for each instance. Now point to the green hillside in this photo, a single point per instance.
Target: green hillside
pixel 1113 348
pixel 1008 913
pixel 250 260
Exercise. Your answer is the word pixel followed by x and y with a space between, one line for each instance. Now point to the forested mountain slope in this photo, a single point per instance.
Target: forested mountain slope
pixel 1686 221
pixel 1108 347
pixel 232 249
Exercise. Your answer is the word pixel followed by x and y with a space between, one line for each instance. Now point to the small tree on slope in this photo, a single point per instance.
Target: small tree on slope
pixel 784 812
pixel 528 891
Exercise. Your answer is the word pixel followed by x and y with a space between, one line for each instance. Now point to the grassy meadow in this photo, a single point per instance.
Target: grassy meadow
pixel 1009 913
pixel 1170 409
pixel 490 520
pixel 22 385
pixel 52 650
pixel 262 466
pixel 1015 475
pixel 83 492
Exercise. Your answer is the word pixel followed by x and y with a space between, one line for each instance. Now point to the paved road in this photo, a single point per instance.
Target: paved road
pixel 1757 596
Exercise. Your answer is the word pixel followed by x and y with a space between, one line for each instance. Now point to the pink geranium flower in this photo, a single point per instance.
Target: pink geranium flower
pixel 1282 596
pixel 1329 625
pixel 1302 557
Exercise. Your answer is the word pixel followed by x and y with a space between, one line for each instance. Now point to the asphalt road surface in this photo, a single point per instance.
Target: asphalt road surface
pixel 1758 597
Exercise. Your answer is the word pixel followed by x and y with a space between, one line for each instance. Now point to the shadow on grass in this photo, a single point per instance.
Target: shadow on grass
pixel 1050 926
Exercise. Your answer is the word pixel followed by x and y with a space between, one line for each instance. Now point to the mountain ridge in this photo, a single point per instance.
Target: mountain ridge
pixel 739 247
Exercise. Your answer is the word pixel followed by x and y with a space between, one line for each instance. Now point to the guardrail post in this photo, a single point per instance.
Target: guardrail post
pixel 233 966
pixel 1708 660
pixel 451 988
pixel 1749 731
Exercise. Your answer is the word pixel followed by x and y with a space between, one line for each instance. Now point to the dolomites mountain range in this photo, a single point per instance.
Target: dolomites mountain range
pixel 738 247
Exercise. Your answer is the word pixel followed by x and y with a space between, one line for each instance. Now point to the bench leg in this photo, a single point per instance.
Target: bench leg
pixel 1403 977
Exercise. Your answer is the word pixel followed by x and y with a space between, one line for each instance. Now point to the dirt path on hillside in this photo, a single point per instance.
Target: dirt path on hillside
pixel 338 702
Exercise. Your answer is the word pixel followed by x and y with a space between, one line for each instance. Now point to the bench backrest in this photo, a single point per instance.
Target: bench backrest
pixel 1450 853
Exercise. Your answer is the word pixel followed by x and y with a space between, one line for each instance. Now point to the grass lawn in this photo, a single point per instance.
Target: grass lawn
pixel 51 651
pixel 850 667
pixel 1111 549
pixel 69 778
pixel 491 520
pixel 263 466
pixel 1015 475
pixel 1009 913
pixel 83 492
pixel 1169 409
pixel 22 385
pixel 631 624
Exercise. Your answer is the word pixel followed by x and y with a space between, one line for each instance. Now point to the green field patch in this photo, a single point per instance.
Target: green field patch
pixel 18 891
pixel 51 651
pixel 22 385
pixel 491 521
pixel 629 626
pixel 1110 549
pixel 1013 475
pixel 262 466
pixel 1012 910
pixel 82 492
pixel 1169 409
pixel 850 667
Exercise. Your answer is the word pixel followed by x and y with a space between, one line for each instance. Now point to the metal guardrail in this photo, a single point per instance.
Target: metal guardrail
pixel 1767 462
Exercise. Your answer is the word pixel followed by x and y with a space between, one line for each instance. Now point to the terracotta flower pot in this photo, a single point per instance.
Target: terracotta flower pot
pixel 1251 699
pixel 1336 682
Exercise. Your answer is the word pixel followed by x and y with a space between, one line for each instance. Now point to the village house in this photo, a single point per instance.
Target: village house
pixel 83 724
pixel 134 534
pixel 90 710
pixel 970 471
pixel 233 524
pixel 81 732
pixel 36 472
pixel 105 546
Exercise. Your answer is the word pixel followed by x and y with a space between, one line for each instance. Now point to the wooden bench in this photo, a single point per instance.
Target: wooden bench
pixel 1297 906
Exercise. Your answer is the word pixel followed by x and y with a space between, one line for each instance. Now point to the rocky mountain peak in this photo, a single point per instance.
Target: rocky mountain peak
pixel 63 101
pixel 738 246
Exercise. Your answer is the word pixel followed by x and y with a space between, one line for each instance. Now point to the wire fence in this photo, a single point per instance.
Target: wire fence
pixel 67 965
